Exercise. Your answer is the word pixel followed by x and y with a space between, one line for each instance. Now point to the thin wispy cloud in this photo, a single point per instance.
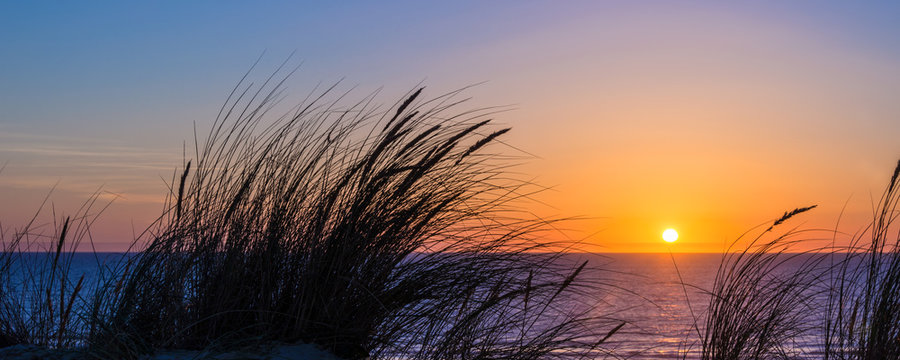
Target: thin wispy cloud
pixel 82 165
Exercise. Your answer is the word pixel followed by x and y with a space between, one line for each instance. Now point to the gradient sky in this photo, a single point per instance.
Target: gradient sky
pixel 708 117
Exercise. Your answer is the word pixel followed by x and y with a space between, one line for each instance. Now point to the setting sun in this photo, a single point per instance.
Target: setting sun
pixel 670 235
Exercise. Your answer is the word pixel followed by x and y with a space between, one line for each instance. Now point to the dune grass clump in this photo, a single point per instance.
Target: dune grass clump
pixel 839 302
pixel 863 312
pixel 41 302
pixel 763 299
pixel 370 232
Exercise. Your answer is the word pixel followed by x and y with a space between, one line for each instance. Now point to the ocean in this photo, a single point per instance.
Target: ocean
pixel 645 290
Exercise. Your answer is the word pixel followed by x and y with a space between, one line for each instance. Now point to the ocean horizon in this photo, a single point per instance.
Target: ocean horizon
pixel 660 296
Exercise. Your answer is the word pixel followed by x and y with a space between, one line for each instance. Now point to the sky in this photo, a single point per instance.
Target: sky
pixel 707 117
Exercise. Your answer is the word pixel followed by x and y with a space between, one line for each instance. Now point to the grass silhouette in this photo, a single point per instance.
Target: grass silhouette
pixel 370 233
pixel 847 298
pixel 764 297
pixel 41 303
pixel 864 307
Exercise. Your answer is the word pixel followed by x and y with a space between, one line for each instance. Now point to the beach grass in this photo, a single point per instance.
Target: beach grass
pixel 41 302
pixel 863 313
pixel 764 297
pixel 844 300
pixel 371 232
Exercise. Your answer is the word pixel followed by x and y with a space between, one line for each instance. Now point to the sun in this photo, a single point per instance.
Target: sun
pixel 670 235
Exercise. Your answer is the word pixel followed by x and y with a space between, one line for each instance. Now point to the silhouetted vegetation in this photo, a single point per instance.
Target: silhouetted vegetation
pixel 367 232
pixel 370 232
pixel 41 303
pixel 844 299
pixel 763 298
pixel 863 313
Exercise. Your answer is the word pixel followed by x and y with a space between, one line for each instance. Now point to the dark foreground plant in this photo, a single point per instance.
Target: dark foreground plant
pixel 40 301
pixel 384 233
pixel 763 298
pixel 863 313
pixel 842 302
